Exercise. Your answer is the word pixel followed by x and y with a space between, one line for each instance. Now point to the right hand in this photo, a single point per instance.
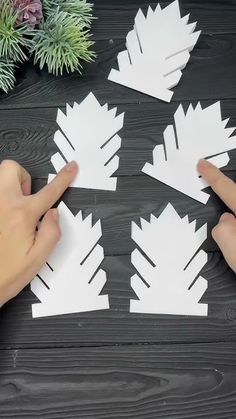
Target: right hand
pixel 224 233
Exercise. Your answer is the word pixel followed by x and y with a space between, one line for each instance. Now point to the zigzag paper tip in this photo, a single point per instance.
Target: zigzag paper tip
pixel 71 281
pixel 156 51
pixel 167 279
pixel 88 134
pixel 199 133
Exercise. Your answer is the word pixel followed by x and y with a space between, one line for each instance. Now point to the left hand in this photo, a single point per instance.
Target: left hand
pixel 23 249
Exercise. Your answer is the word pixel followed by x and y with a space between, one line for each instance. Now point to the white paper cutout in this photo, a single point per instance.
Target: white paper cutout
pixel 89 136
pixel 171 244
pixel 157 50
pixel 200 133
pixel 76 281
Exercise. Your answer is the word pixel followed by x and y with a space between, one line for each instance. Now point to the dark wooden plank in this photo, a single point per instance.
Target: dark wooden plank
pixel 26 135
pixel 116 17
pixel 131 382
pixel 210 74
pixel 166 381
pixel 117 325
pixel 137 196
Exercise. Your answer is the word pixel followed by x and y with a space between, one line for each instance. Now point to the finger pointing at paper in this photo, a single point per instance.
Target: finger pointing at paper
pixel 224 233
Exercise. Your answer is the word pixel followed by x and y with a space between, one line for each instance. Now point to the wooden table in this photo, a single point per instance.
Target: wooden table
pixel 113 364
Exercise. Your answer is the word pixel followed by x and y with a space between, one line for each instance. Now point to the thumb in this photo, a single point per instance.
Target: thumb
pixel 46 239
pixel 224 235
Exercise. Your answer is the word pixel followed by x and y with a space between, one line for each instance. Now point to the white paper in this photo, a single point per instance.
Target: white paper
pixel 158 48
pixel 171 263
pixel 71 280
pixel 200 133
pixel 89 136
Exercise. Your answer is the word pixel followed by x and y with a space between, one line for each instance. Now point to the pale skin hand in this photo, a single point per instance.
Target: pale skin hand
pixel 23 249
pixel 224 233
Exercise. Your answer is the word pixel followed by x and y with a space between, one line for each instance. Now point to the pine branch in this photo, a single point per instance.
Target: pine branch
pixel 14 38
pixel 7 77
pixel 61 43
pixel 79 8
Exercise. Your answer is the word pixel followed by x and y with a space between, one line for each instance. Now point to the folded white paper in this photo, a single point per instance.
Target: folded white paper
pixel 71 281
pixel 200 133
pixel 158 48
pixel 165 280
pixel 89 136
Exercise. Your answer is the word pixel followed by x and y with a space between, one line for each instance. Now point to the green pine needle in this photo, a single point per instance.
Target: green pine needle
pixel 7 77
pixel 14 39
pixel 61 43
pixel 79 8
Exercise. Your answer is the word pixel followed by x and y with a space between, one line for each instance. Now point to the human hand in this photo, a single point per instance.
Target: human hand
pixel 23 249
pixel 224 233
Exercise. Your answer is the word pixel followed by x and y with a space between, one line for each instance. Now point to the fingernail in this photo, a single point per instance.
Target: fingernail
pixel 226 217
pixel 71 167
pixel 55 214
pixel 204 163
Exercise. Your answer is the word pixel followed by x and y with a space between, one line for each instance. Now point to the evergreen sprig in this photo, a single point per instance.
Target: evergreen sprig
pixel 14 39
pixel 7 77
pixel 61 43
pixel 79 8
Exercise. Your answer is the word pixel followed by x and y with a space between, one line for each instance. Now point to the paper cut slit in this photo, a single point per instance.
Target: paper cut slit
pixel 71 280
pixel 158 47
pixel 139 42
pixel 44 283
pixel 88 135
pixel 196 134
pixel 50 267
pixel 171 284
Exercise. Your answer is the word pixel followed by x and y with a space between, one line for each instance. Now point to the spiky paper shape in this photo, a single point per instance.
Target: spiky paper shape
pixel 170 265
pixel 200 133
pixel 71 281
pixel 89 136
pixel 157 50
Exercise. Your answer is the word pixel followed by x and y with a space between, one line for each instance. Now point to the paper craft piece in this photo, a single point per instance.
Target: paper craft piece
pixel 158 48
pixel 89 136
pixel 170 265
pixel 200 133
pixel 71 281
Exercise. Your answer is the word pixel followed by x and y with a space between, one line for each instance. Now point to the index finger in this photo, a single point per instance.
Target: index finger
pixel 43 200
pixel 223 186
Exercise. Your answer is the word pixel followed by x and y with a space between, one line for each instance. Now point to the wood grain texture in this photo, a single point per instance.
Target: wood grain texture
pixel 210 74
pixel 117 325
pixel 137 196
pixel 116 17
pixel 156 382
pixel 113 364
pixel 27 135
